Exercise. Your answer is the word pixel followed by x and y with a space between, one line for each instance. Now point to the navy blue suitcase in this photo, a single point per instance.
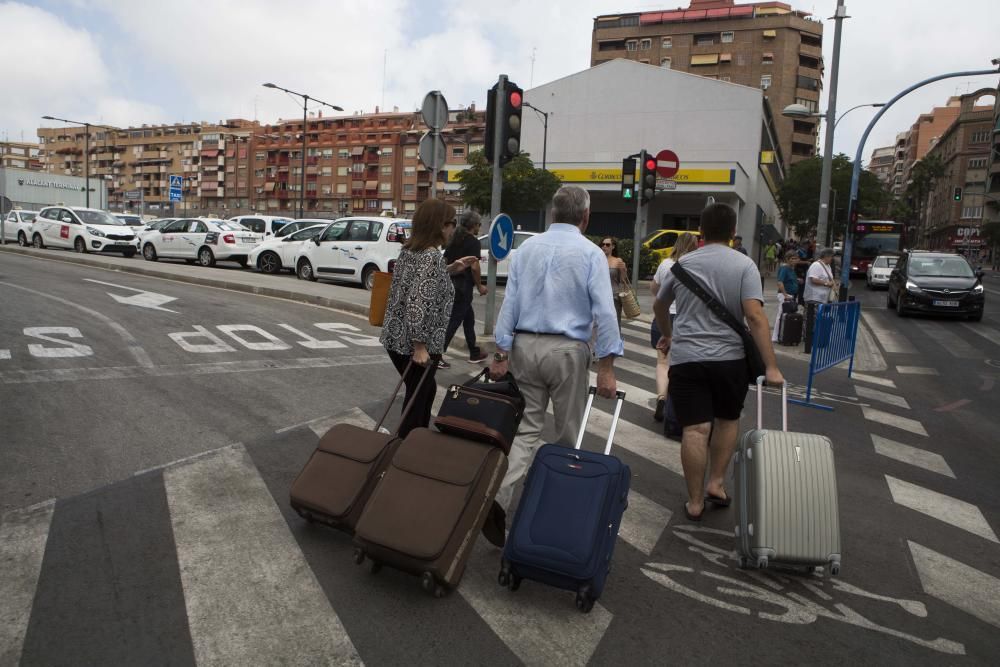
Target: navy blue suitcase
pixel 566 526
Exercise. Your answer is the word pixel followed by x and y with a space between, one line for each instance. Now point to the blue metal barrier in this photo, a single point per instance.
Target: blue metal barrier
pixel 835 336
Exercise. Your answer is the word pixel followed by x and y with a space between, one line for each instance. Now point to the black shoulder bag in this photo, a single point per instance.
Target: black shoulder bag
pixel 755 363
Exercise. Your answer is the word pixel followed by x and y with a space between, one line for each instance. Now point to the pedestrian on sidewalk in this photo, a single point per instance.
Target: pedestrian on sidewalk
pixel 465 243
pixel 557 287
pixel 708 370
pixel 738 246
pixel 788 289
pixel 686 242
pixel 619 274
pixel 770 258
pixel 819 279
pixel 420 300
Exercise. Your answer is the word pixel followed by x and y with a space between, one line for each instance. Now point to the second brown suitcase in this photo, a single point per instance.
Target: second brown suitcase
pixel 428 508
pixel 339 477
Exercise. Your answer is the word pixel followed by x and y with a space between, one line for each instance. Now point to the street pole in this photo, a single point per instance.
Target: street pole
pixel 302 176
pixel 545 148
pixel 500 107
pixel 845 272
pixel 86 163
pixel 637 232
pixel 831 115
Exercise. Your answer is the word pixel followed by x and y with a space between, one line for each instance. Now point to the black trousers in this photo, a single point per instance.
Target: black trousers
pixel 420 414
pixel 462 314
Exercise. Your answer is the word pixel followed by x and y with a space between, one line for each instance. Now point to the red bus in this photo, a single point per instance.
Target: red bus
pixel 873 238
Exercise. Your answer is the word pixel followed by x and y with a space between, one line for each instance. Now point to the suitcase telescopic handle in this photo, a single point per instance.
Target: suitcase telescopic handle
pixel 395 393
pixel 619 401
pixel 760 404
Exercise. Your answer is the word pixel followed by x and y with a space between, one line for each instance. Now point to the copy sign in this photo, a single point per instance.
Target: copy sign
pixel 501 236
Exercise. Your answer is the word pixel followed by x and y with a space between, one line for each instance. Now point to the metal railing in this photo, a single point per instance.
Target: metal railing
pixel 834 339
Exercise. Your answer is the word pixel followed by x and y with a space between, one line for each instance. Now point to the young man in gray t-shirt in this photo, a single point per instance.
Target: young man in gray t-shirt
pixel 708 374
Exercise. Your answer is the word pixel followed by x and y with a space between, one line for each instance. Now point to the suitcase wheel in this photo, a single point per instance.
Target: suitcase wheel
pixel 359 555
pixel 583 600
pixel 430 584
pixel 834 569
pixel 762 563
pixel 744 562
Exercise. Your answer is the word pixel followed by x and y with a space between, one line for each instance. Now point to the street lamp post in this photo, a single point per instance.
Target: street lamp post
pixel 86 149
pixel 305 107
pixel 545 130
pixel 852 208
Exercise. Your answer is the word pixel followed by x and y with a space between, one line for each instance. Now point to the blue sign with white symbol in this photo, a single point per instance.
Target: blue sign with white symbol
pixel 501 236
pixel 175 188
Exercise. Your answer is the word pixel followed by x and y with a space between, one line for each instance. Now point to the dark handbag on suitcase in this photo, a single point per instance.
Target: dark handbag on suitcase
pixel 566 525
pixel 786 496
pixel 336 482
pixel 789 307
pixel 790 329
pixel 429 507
pixel 485 411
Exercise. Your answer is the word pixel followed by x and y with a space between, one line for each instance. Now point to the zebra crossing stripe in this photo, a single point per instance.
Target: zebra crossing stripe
pixel 952 342
pixel 916 370
pixel 23 536
pixel 876 395
pixel 913 456
pixel 890 340
pixel 944 508
pixel 871 379
pixel 989 333
pixel 957 584
pixel 895 421
pixel 229 531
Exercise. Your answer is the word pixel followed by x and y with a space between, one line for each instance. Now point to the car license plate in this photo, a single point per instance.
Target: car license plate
pixel 946 304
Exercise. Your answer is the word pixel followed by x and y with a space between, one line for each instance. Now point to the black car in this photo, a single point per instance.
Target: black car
pixel 936 282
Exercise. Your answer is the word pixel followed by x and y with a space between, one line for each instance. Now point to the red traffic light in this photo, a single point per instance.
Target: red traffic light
pixel 650 164
pixel 515 99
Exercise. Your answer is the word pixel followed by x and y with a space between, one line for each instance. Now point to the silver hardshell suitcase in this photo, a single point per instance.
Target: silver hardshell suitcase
pixel 786 496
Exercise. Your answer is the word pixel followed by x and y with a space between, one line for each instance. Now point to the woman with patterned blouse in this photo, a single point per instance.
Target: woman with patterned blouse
pixel 419 307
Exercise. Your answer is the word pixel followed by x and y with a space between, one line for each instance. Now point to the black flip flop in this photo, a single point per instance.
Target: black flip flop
pixel 692 517
pixel 717 500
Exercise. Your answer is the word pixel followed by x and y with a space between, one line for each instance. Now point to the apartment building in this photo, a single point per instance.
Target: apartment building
pixel 766 45
pixel 141 159
pixel 20 155
pixel 897 186
pixel 924 133
pixel 991 208
pixel 956 202
pixel 881 164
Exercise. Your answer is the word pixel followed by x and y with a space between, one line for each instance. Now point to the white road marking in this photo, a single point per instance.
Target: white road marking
pixel 876 395
pixel 66 349
pixel 914 456
pixel 4 355
pixel 916 370
pixel 950 341
pixel 984 331
pixel 312 343
pixel 538 623
pixel 871 379
pixel 868 356
pixel 644 370
pixel 23 535
pixel 641 350
pixel 143 299
pixel 944 508
pixel 213 346
pixel 957 584
pixel 889 419
pixel 891 340
pixel 271 343
pixel 643 522
pixel 354 416
pixel 222 513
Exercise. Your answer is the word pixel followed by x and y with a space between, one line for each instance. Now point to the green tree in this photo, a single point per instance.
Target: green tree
pixel 922 179
pixel 525 188
pixel 798 196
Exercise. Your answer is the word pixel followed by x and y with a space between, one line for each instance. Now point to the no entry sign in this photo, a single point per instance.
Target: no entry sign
pixel 667 163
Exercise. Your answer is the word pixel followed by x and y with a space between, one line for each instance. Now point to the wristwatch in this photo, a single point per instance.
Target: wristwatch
pixel 499 357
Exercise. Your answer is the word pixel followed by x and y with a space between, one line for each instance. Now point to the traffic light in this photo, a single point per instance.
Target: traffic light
pixel 958 194
pixel 647 178
pixel 628 178
pixel 510 145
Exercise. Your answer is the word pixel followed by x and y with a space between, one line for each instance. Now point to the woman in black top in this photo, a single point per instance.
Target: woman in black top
pixel 465 243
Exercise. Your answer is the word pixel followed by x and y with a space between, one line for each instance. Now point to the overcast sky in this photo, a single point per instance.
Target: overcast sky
pixel 128 62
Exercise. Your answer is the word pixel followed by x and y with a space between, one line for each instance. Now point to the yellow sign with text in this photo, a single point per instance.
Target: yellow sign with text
pixel 690 176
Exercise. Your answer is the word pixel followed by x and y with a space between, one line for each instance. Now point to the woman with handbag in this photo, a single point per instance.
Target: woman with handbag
pixel 619 274
pixel 420 304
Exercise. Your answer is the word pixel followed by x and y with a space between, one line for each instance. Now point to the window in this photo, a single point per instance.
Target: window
pixel 259 155
pixel 765 81
pixel 767 59
pixel 371 204
pixel 667 42
pixel 631 45
pixel 385 187
pixel 334 231
pixel 341 188
pixel 726 58
pixel 977 163
pixel 728 37
pixel 410 206
pixel 258 173
pixel 327 189
pixel 410 152
pixel 705 39
pixel 979 137
pixel 665 62
pixel 254 224
pixel 408 188
pixel 645 44
pixel 770 34
pixel 359 230
pixel 705 59
pixel 386 151
pixel 630 21
pixel 376 231
pixel 808 104
pixel 409 171
pixel 343 153
pixel 386 169
pixel 741 59
pixel 724 78
pixel 458 151
pixel 807 82
pixel 972 212
pixel 328 171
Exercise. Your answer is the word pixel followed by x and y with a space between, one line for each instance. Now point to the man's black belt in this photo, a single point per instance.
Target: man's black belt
pixel 537 333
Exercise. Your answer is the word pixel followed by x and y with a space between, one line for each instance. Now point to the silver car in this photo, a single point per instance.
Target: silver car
pixel 880 270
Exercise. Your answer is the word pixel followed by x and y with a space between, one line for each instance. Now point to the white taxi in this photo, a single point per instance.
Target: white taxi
pixel 278 252
pixel 83 229
pixel 353 249
pixel 17 226
pixel 879 271
pixel 201 240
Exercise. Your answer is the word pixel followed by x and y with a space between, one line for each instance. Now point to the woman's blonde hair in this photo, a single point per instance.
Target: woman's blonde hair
pixel 686 242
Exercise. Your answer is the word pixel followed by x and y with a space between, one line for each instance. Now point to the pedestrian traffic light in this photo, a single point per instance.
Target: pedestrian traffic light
pixel 958 194
pixel 510 145
pixel 628 178
pixel 647 178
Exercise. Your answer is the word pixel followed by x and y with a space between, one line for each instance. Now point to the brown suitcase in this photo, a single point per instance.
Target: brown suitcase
pixel 429 507
pixel 340 476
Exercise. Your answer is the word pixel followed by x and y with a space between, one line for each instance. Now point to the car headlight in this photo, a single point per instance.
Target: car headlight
pixel 912 287
pixel 95 232
pixel 978 289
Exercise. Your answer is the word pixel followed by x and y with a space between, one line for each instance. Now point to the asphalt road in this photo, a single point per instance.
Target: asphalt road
pixel 168 443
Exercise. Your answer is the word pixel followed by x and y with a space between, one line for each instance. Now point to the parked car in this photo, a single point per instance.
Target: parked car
pixel 278 252
pixel 879 271
pixel 133 221
pixel 502 265
pixel 936 282
pixel 83 229
pixel 152 225
pixel 353 249
pixel 17 226
pixel 202 240
pixel 661 242
pixel 265 225
pixel 301 223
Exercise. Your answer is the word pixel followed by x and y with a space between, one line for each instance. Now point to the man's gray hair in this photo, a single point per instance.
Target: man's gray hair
pixel 826 252
pixel 469 219
pixel 569 204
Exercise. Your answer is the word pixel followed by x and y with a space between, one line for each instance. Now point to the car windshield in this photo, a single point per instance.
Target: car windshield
pixel 27 217
pixel 131 219
pixel 950 266
pixel 230 226
pixel 98 218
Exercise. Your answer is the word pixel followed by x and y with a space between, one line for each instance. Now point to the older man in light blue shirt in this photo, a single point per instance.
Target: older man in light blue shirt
pixel 558 286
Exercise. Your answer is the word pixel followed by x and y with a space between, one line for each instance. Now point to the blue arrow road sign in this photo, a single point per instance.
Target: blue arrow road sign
pixel 501 236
